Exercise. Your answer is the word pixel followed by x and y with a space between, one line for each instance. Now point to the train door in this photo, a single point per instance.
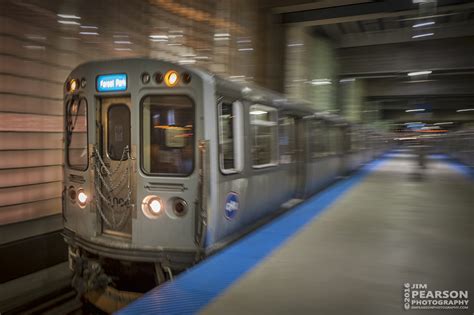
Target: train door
pixel 113 167
pixel 301 156
pixel 287 135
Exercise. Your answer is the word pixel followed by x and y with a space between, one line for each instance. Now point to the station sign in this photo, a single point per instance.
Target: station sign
pixel 111 82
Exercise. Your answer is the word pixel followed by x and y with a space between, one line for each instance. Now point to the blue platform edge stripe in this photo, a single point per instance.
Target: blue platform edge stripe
pixel 458 166
pixel 195 288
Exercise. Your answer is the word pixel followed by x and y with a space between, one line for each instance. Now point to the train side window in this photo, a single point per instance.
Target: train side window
pixel 263 124
pixel 230 137
pixel 118 131
pixel 287 139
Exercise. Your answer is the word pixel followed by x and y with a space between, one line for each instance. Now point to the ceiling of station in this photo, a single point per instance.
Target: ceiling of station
pixel 380 42
pixel 216 35
pixel 448 23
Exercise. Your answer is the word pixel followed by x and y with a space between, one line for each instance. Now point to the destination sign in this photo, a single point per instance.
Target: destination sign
pixel 112 82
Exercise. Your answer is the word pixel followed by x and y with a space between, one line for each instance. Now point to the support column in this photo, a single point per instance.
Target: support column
pixel 352 99
pixel 323 83
pixel 296 70
pixel 310 69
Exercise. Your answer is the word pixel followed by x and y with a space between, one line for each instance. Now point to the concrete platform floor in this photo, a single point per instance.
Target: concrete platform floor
pixel 398 226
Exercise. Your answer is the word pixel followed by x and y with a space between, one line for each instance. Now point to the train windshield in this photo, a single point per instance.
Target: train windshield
pixel 168 135
pixel 76 133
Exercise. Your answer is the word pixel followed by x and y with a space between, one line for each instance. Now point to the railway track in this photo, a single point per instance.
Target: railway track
pixel 60 302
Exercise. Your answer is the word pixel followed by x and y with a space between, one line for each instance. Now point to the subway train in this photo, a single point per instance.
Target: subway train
pixel 166 164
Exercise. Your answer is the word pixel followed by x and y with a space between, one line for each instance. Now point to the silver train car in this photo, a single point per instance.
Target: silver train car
pixel 165 164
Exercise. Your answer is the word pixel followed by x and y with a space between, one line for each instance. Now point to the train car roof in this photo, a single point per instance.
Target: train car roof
pixel 134 60
pixel 264 96
pixel 247 91
pixel 257 94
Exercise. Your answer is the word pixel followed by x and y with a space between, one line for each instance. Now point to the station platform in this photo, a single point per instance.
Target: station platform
pixel 348 250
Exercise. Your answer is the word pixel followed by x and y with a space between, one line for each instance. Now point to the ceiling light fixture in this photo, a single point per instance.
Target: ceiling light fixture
pixel 69 16
pixel 422 35
pixel 68 22
pixel 415 110
pixel 412 74
pixel 424 24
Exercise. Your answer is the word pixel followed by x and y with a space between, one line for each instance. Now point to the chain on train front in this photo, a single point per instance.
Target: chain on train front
pixel 105 189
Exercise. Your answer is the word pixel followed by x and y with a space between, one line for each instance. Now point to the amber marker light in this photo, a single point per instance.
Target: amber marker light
pixel 171 78
pixel 73 85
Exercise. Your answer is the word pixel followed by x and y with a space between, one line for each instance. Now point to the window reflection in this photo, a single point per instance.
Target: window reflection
pixel 168 135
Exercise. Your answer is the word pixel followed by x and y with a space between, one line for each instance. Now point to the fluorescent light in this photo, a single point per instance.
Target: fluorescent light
pixel 35 37
pixel 415 110
pixel 68 22
pixel 69 16
pixel 34 47
pixel 123 49
pixel 244 41
pixel 258 112
pixel 187 61
pixel 295 45
pixel 89 27
pixel 411 74
pixel 465 110
pixel 443 123
pixel 245 49
pixel 321 82
pixel 424 24
pixel 201 57
pixel 89 33
pixel 236 77
pixel 422 35
pixel 123 42
pixel 70 38
pixel 221 35
pixel 221 38
pixel 172 44
pixel 347 80
pixel 159 37
pixel 158 40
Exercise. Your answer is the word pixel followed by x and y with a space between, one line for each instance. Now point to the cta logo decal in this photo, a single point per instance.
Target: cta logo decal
pixel 232 205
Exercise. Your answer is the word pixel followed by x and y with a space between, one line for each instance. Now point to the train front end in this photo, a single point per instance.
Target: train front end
pixel 131 201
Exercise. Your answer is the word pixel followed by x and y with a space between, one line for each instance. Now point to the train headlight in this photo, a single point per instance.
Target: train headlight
pixel 171 78
pixel 82 198
pixel 152 206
